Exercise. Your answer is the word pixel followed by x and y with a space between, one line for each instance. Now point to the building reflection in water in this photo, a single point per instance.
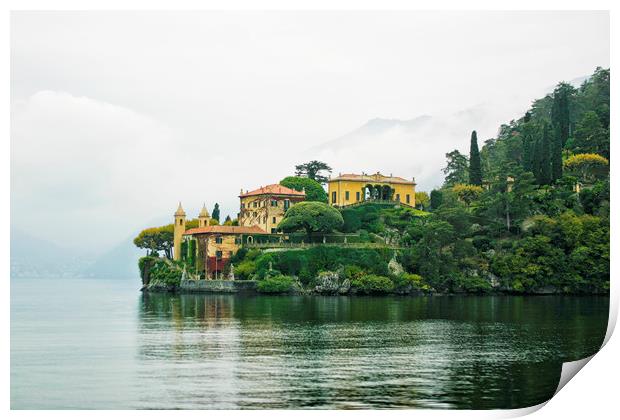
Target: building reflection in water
pixel 231 351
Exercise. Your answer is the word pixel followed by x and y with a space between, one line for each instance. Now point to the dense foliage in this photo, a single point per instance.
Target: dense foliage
pixel 311 216
pixel 156 239
pixel 160 272
pixel 314 190
pixel 276 284
pixel 540 222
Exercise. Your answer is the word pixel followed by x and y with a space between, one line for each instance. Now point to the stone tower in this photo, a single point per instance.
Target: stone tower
pixel 179 230
pixel 203 217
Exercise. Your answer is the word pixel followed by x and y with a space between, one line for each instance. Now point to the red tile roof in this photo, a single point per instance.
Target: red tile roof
pixel 226 230
pixel 276 189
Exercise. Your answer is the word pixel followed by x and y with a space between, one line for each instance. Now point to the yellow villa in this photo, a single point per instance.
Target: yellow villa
pixel 265 206
pixel 262 209
pixel 347 189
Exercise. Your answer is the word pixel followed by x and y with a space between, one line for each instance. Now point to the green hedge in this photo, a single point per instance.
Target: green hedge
pixel 373 284
pixel 308 262
pixel 277 284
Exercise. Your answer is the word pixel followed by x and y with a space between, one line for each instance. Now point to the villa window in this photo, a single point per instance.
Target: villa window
pixel 408 198
pixel 218 255
pixel 237 240
pixel 397 197
pixel 357 196
pixel 333 197
pixel 218 240
pixel 346 195
pixel 274 220
pixel 287 204
pixel 274 203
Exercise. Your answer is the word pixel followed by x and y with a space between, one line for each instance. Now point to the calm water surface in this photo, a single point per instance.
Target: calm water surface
pixel 103 344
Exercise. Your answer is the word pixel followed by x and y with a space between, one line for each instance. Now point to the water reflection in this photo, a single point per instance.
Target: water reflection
pixel 230 351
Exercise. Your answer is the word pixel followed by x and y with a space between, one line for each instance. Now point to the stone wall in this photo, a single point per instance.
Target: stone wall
pixel 218 286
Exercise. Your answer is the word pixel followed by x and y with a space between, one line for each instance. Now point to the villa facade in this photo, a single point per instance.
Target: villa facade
pixel 348 189
pixel 265 206
pixel 211 247
pixel 215 245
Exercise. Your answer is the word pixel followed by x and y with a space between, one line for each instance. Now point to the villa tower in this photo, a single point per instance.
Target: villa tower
pixel 203 217
pixel 179 230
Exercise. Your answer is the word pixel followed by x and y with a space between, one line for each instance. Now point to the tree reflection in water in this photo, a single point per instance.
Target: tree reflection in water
pixel 231 351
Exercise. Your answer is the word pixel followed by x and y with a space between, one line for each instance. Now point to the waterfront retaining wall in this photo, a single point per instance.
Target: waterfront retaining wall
pixel 218 286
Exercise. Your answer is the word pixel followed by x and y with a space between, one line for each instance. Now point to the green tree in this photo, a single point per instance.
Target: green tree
pixel 467 193
pixel 590 136
pixel 587 167
pixel 314 190
pixel 527 137
pixel 556 156
pixel 436 199
pixel 422 200
pixel 313 170
pixel 215 214
pixel 543 157
pixel 560 111
pixel 156 239
pixel 475 168
pixel 431 256
pixel 311 216
pixel 456 169
pixel 228 221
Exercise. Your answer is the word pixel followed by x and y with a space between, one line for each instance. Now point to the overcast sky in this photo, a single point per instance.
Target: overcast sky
pixel 118 116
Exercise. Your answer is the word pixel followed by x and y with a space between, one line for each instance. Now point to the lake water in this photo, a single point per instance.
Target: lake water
pixel 103 344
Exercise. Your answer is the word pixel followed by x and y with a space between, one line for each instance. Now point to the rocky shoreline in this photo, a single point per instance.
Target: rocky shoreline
pixel 250 287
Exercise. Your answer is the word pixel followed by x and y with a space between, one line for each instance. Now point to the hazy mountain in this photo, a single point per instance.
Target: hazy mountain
pixel 416 147
pixel 412 148
pixel 34 257
pixel 120 262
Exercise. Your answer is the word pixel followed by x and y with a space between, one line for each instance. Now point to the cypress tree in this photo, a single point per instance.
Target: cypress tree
pixel 215 214
pixel 556 156
pixel 475 168
pixel 527 152
pixel 537 160
pixel 560 114
pixel 528 143
pixel 545 156
pixel 436 199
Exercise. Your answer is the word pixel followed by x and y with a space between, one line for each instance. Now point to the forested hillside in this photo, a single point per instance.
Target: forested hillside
pixel 529 211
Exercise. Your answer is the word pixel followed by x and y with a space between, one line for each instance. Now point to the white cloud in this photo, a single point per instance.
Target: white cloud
pixel 193 106
pixel 84 171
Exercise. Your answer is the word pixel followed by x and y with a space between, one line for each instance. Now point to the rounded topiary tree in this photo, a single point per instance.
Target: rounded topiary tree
pixel 314 190
pixel 311 216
